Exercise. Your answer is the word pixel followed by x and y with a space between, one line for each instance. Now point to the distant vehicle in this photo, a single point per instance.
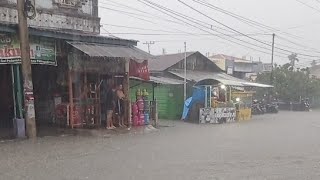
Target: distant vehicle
pixel 272 107
pixel 258 107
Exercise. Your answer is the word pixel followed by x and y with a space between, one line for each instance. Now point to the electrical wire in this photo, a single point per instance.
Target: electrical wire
pixel 181 34
pixel 302 54
pixel 242 19
pixel 165 10
pixel 135 9
pixel 309 6
pixel 135 14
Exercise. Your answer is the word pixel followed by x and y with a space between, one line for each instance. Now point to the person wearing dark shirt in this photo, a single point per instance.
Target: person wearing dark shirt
pixel 120 105
pixel 110 106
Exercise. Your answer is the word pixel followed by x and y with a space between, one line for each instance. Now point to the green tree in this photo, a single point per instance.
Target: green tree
pixel 290 85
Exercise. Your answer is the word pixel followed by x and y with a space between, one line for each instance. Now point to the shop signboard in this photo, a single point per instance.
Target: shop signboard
pixel 217 115
pixel 42 50
pixel 139 70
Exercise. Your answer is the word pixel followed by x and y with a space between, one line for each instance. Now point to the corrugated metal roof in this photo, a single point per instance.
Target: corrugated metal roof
pixel 105 50
pixel 165 80
pixel 161 63
pixel 161 80
pixel 198 76
pixel 224 78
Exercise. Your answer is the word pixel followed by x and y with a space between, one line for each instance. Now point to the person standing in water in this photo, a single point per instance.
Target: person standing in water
pixel 110 106
pixel 120 105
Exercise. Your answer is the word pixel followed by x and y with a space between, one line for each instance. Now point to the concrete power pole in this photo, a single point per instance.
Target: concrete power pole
pixel 26 71
pixel 149 43
pixel 272 56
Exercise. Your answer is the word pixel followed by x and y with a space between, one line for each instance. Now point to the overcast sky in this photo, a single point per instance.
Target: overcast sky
pixel 297 23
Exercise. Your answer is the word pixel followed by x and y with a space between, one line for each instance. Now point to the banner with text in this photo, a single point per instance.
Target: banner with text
pixel 42 50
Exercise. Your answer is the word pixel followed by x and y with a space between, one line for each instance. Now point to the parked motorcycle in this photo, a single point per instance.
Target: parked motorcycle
pixel 305 105
pixel 257 107
pixel 272 108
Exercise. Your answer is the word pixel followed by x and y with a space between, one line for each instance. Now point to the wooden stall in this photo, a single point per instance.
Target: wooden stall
pixel 243 101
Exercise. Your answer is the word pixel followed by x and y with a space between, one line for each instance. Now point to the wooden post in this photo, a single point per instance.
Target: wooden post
pixel 126 89
pixel 156 119
pixel 71 106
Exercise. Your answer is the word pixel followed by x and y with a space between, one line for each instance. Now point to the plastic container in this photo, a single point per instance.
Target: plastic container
pixel 135 120
pixel 141 119
pixel 135 110
pixel 146 105
pixel 140 104
pixel 146 119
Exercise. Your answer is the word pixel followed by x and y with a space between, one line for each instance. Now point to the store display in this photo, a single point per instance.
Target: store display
pixel 141 108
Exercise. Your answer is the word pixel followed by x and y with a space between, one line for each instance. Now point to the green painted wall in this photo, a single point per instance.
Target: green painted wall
pixel 169 97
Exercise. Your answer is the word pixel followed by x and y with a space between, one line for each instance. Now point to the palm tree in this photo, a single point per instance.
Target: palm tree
pixel 293 58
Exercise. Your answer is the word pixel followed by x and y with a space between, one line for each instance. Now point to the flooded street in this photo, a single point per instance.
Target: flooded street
pixel 280 146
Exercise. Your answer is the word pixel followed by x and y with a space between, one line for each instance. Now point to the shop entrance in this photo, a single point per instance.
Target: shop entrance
pixel 45 87
pixel 6 102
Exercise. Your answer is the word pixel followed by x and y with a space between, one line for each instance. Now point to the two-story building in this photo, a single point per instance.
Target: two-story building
pixel 70 60
pixel 239 67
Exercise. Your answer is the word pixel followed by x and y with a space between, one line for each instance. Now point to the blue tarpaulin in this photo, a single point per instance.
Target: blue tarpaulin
pixel 198 95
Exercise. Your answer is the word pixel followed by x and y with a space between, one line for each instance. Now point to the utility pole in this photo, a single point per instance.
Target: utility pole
pixel 271 74
pixel 272 54
pixel 185 72
pixel 149 43
pixel 26 71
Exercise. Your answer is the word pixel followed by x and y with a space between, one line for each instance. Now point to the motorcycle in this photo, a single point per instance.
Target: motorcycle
pixel 305 105
pixel 272 108
pixel 258 108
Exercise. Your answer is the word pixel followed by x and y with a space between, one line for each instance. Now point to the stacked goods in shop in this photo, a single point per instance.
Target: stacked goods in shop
pixel 146 107
pixel 135 112
pixel 140 109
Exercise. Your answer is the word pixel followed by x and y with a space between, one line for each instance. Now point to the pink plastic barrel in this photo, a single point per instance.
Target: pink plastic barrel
pixel 134 109
pixel 141 119
pixel 140 104
pixel 135 120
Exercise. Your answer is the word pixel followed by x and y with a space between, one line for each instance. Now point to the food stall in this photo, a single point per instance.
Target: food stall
pixel 218 107
pixel 243 104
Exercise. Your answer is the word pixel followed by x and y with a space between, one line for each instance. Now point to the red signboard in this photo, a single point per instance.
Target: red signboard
pixel 139 70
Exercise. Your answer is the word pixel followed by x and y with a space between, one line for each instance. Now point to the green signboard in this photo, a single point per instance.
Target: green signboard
pixel 42 50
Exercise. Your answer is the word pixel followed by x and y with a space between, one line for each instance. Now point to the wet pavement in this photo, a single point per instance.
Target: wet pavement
pixel 280 146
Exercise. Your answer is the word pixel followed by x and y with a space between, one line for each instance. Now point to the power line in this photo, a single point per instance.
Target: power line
pixel 138 10
pixel 165 10
pixel 309 6
pixel 241 18
pixel 134 15
pixel 297 44
pixel 217 8
pixel 138 28
pixel 176 22
pixel 153 29
pixel 302 54
pixel 177 34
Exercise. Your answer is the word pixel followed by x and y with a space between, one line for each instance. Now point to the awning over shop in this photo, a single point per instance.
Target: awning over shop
pixel 257 85
pixel 161 80
pixel 199 76
pixel 113 51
